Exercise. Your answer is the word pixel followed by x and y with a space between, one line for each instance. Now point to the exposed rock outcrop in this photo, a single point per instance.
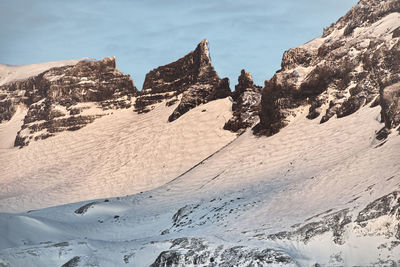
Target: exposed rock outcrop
pixel 246 104
pixel 334 222
pixel 390 103
pixel 340 223
pixel 195 251
pixel 338 73
pixel 363 14
pixel 57 98
pixel 192 76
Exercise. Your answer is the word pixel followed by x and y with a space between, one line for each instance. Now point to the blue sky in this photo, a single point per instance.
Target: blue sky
pixel 145 34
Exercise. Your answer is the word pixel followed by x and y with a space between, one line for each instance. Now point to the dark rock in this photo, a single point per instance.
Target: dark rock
pixel 396 33
pixel 82 210
pixel 52 95
pixel 274 96
pixel 295 57
pixel 350 28
pixel 193 76
pixel 193 68
pixel 331 71
pixel 390 104
pixel 200 94
pixel 7 109
pixel 62 244
pixel 350 106
pixel 334 222
pixel 376 102
pixel 386 205
pixel 246 104
pixel 172 102
pixel 72 262
pixel 364 13
pixel 315 109
pixel 194 251
pixel 222 90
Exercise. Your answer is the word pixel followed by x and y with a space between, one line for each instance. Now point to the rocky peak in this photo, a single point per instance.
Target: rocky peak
pixel 364 13
pixel 339 72
pixel 246 104
pixel 245 80
pixel 58 98
pixel 177 76
pixel 192 76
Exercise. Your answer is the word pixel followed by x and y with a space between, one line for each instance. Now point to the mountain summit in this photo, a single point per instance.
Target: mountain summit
pixel 191 79
pixel 354 62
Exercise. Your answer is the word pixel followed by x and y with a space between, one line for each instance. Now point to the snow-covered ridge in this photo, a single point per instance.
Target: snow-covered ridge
pixel 10 73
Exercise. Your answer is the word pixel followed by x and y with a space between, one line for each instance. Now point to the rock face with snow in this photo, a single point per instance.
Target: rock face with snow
pixel 56 98
pixel 246 104
pixel 312 195
pixel 194 251
pixel 192 78
pixel 354 62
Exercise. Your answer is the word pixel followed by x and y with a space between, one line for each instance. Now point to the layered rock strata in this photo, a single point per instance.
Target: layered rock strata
pixel 58 99
pixel 191 79
pixel 353 63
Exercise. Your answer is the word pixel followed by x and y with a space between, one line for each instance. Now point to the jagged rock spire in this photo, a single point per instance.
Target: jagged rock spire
pixel 177 76
pixel 246 103
pixel 193 76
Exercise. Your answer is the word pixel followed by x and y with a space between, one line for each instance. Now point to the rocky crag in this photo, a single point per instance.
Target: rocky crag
pixel 66 98
pixel 246 104
pixel 354 62
pixel 191 80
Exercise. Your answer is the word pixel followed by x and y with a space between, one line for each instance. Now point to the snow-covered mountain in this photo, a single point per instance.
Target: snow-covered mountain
pixel 319 185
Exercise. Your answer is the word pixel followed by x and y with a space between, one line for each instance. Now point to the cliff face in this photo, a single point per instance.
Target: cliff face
pixel 192 76
pixel 59 99
pixel 355 62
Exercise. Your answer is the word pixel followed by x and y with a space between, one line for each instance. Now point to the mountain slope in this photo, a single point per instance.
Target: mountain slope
pixel 118 154
pixel 301 194
pixel 323 189
pixel 348 67
pixel 125 152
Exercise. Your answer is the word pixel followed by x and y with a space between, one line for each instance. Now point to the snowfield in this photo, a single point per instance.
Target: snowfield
pixel 119 154
pixel 293 199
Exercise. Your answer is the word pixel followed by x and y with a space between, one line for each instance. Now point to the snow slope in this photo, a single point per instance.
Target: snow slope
pixel 244 195
pixel 119 154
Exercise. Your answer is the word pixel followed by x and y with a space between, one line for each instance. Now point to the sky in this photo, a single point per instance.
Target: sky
pixel 145 34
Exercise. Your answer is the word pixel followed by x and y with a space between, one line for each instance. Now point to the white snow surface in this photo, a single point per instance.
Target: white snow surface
pixel 10 73
pixel 253 187
pixel 119 154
